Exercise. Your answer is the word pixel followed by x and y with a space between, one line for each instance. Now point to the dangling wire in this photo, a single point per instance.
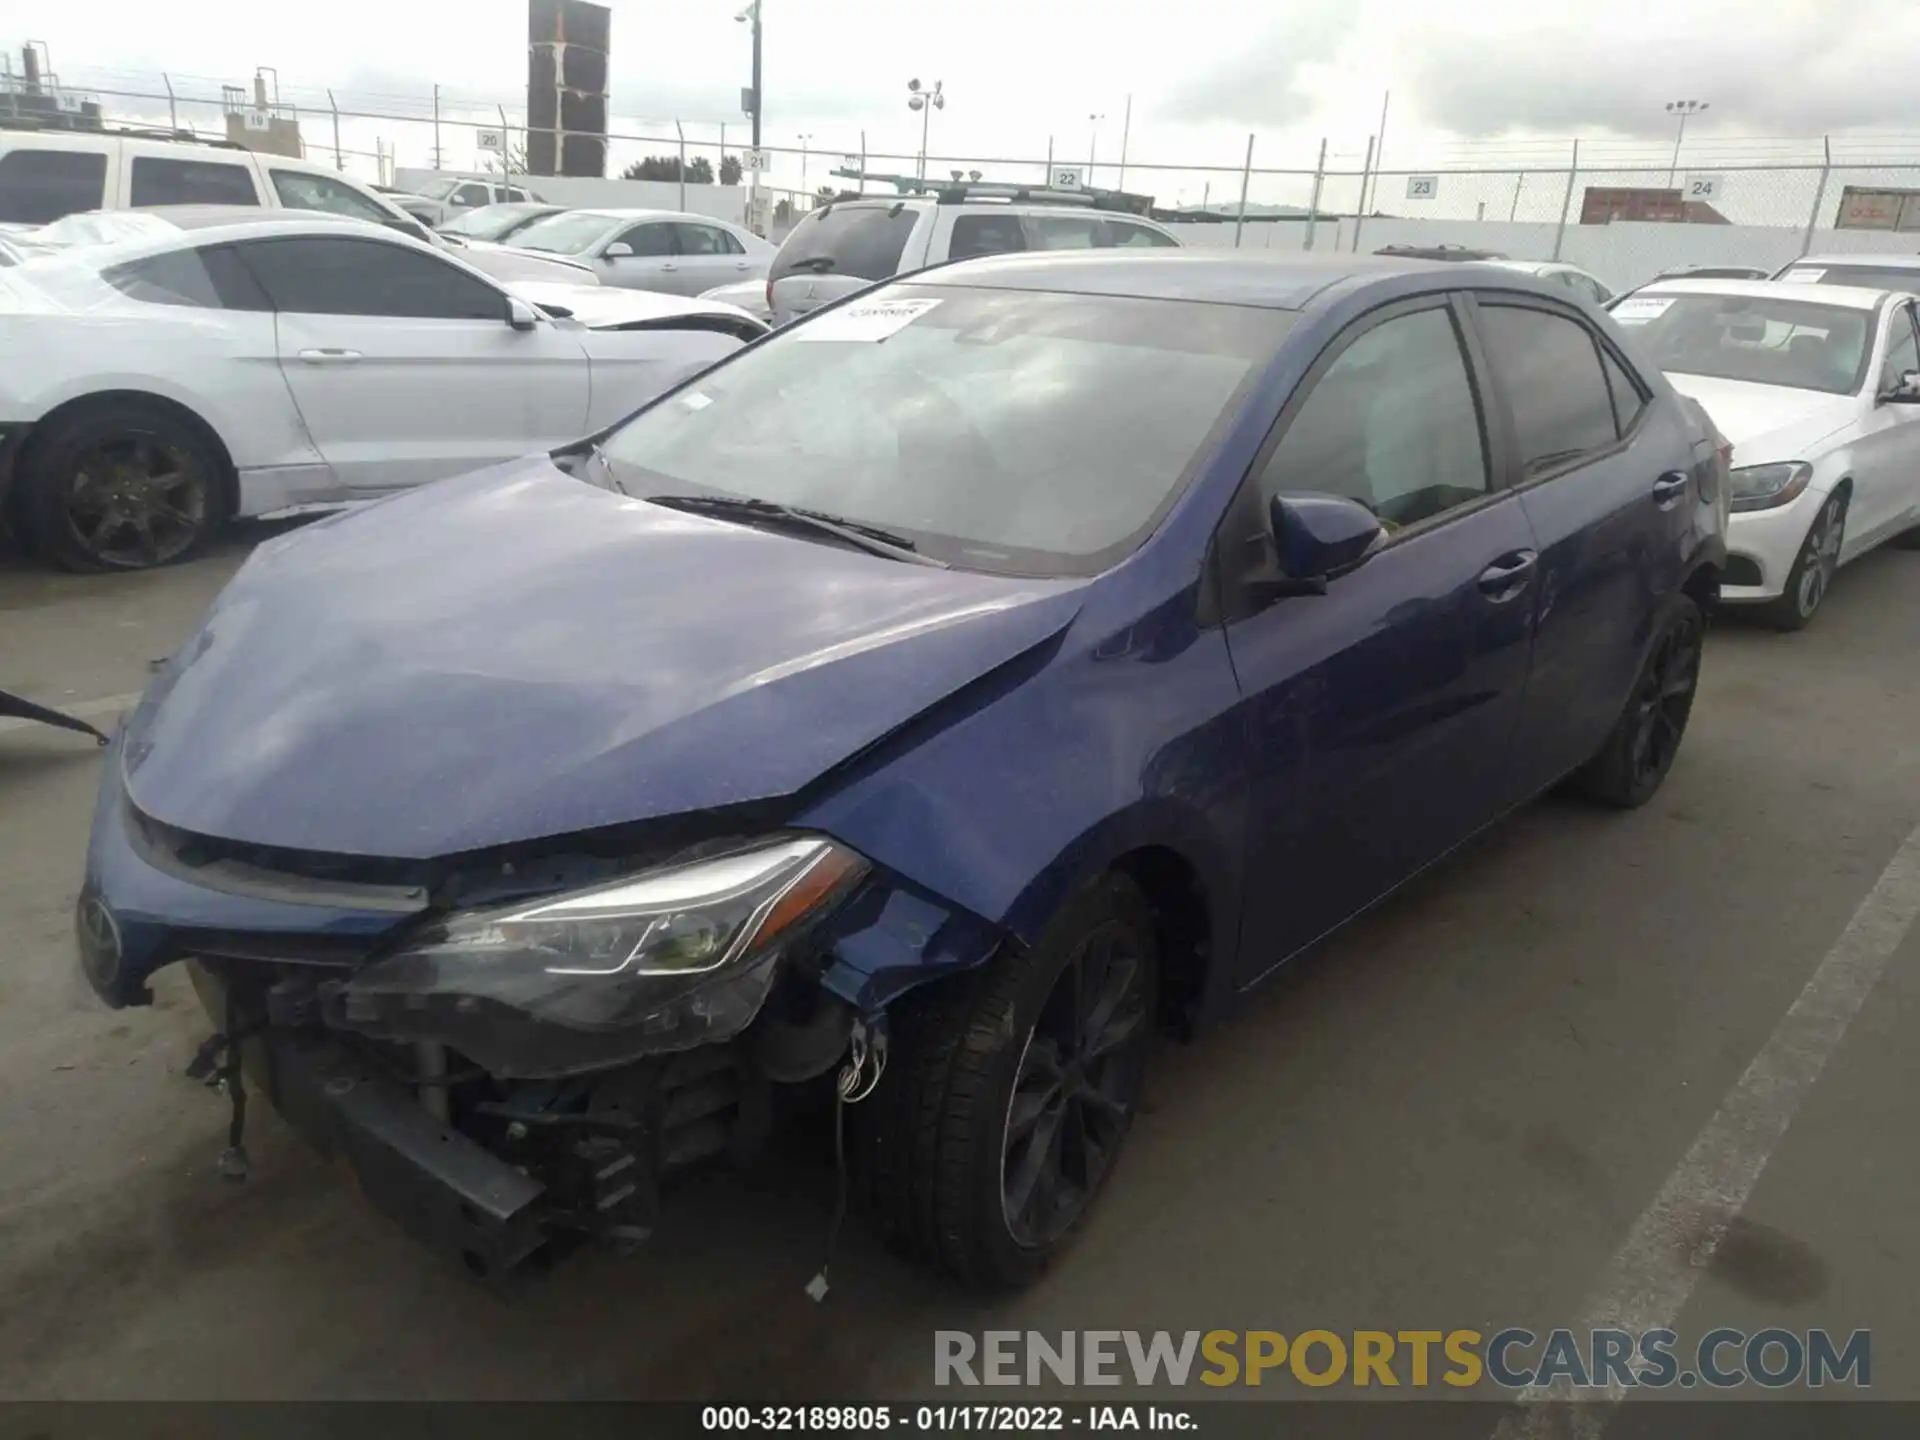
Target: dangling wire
pixel 850 1087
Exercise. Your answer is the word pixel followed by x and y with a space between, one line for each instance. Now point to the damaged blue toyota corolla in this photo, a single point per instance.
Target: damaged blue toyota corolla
pixel 915 707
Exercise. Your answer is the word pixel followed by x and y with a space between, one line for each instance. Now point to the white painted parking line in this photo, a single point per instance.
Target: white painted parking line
pixel 1654 1272
pixel 85 710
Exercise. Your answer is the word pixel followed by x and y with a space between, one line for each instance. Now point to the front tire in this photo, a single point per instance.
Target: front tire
pixel 1010 1092
pixel 122 486
pixel 1813 569
pixel 1638 754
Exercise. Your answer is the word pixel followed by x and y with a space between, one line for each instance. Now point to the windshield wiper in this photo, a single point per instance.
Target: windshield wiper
pixel 819 264
pixel 869 538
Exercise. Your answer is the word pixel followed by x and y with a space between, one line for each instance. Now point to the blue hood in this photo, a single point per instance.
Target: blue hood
pixel 517 654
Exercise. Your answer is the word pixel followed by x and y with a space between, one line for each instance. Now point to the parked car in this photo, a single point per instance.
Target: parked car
pixel 47 175
pixel 448 196
pixel 498 223
pixel 749 295
pixel 1568 277
pixel 850 244
pixel 1819 391
pixel 1865 272
pixel 651 249
pixel 925 718
pixel 152 389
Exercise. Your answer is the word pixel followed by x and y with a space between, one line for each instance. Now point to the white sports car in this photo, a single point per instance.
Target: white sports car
pixel 152 389
pixel 1818 389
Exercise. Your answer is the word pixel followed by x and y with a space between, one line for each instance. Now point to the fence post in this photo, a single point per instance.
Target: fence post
pixel 1819 195
pixel 173 110
pixel 436 127
pixel 863 162
pixel 1313 201
pixel 1246 175
pixel 333 105
pixel 506 144
pixel 1047 179
pixel 681 131
pixel 1566 202
pixel 1518 181
pixel 1360 210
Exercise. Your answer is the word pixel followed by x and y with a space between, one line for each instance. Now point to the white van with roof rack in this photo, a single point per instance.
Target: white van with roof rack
pixel 47 174
pixel 851 243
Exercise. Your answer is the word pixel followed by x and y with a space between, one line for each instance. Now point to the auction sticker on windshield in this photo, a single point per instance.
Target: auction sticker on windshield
pixel 1638 309
pixel 870 320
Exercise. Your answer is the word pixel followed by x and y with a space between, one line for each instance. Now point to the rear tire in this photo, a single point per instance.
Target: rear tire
pixel 1634 762
pixel 126 485
pixel 1006 1103
pixel 1813 569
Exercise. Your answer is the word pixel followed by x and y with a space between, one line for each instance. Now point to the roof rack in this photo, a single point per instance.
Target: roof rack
pixel 127 132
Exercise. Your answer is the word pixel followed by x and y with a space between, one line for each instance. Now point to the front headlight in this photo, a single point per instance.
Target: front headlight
pixel 665 960
pixel 1764 487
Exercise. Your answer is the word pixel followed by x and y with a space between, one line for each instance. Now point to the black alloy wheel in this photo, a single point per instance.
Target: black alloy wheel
pixel 1075 1088
pixel 1640 749
pixel 1663 702
pixel 123 487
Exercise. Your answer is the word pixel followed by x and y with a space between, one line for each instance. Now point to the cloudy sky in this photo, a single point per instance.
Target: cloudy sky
pixel 1020 75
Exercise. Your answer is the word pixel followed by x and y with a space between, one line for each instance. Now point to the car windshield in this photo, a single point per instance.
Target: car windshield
pixel 1866 277
pixel 1010 431
pixel 489 222
pixel 567 234
pixel 1762 339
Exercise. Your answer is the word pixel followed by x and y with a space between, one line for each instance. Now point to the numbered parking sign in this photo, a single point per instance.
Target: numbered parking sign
pixel 1422 187
pixel 1066 177
pixel 756 161
pixel 1703 187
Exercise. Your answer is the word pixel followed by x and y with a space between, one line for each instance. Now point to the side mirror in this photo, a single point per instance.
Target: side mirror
pixel 1318 538
pixel 1907 392
pixel 619 250
pixel 521 315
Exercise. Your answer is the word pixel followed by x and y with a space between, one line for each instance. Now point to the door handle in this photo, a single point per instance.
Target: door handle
pixel 329 356
pixel 740 264
pixel 1668 489
pixel 668 265
pixel 1508 576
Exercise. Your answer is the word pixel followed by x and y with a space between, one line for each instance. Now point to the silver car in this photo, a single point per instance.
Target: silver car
pixel 652 249
pixel 1568 277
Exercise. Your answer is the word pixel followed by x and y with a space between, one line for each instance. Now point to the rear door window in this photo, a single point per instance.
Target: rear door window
pixel 1066 232
pixel 1127 234
pixel 1549 367
pixel 158 180
pixel 38 187
pixel 705 240
pixel 864 241
pixel 985 234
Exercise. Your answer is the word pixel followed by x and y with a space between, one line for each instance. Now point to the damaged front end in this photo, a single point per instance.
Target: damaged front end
pixel 517 1055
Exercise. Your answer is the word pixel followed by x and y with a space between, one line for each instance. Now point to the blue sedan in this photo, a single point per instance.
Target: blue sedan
pixel 919 707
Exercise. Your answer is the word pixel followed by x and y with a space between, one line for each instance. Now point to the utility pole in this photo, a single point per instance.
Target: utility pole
pixel 436 127
pixel 1093 145
pixel 1126 129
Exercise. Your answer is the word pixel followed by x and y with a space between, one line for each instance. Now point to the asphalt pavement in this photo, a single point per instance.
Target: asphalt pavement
pixel 1558 1068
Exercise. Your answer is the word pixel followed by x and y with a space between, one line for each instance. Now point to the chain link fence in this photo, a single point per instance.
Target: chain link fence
pixel 1597 204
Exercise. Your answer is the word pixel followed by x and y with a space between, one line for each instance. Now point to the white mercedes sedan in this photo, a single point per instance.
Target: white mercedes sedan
pixel 151 390
pixel 1818 389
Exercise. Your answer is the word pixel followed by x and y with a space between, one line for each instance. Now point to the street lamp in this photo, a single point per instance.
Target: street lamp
pixel 1683 109
pixel 1093 145
pixel 926 102
pixel 803 160
pixel 751 16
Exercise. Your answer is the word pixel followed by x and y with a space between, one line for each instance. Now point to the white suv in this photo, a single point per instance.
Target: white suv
pixel 847 245
pixel 46 175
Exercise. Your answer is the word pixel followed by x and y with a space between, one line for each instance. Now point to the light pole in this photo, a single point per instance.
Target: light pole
pixel 1683 109
pixel 926 102
pixel 1093 145
pixel 803 160
pixel 751 16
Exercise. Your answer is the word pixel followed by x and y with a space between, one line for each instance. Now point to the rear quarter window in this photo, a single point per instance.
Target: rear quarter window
pixel 161 181
pixel 865 241
pixel 38 187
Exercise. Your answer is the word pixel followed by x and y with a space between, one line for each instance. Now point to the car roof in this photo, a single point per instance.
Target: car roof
pixel 1228 277
pixel 1894 261
pixel 207 224
pixel 624 214
pixel 1852 297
